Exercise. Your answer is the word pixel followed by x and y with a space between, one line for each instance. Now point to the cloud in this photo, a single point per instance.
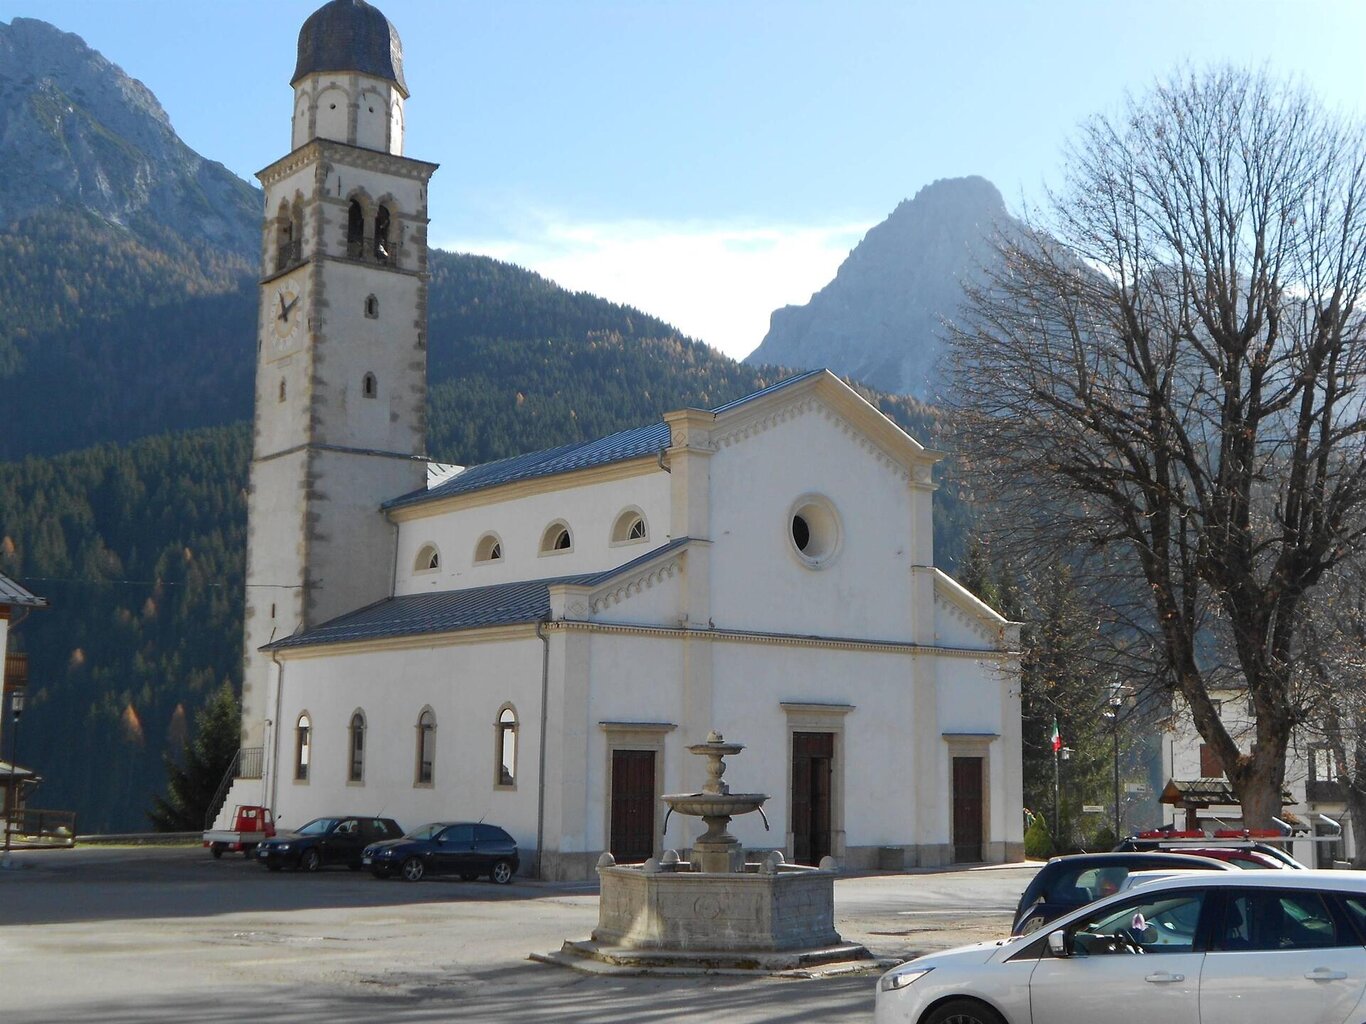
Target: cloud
pixel 717 283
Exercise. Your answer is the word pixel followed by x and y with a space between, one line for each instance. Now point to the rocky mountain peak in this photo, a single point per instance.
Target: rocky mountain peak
pixel 881 319
pixel 77 132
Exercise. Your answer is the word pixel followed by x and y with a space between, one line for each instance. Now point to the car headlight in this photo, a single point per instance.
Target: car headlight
pixel 282 847
pixel 895 981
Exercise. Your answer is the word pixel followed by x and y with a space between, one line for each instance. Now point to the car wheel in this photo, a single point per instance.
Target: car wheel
pixel 309 860
pixel 468 876
pixel 216 849
pixel 413 869
pixel 962 1011
pixel 501 873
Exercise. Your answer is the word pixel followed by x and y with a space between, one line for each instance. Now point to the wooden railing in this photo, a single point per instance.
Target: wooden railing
pixel 35 827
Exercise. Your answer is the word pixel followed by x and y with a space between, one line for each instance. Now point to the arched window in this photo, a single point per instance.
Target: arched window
pixel 372 307
pixel 507 746
pixel 428 559
pixel 369 387
pixel 629 527
pixel 382 234
pixel 303 747
pixel 355 230
pixel 556 539
pixel 489 548
pixel 282 389
pixel 356 745
pixel 296 230
pixel 426 748
pixel 284 237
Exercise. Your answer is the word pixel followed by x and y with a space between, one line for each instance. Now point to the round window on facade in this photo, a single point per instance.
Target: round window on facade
pixel 813 529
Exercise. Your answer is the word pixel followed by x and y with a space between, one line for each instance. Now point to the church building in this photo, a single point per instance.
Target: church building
pixel 536 642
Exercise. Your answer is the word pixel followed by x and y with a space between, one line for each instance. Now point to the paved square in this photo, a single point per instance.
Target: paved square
pixel 123 935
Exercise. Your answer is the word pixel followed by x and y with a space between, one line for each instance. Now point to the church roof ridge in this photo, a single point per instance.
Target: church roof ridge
pixel 11 593
pixel 616 447
pixel 449 611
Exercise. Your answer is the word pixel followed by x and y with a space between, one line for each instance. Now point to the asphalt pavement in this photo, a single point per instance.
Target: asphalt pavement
pixel 159 935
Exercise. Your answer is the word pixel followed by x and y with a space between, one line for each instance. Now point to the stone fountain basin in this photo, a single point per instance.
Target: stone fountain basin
pixel 715 805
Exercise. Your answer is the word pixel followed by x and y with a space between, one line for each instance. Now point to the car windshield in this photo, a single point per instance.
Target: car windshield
pixel 317 827
pixel 426 831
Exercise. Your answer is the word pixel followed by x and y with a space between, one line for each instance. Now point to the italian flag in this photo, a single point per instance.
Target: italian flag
pixel 1055 737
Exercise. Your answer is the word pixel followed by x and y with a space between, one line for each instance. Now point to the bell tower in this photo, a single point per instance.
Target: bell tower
pixel 341 364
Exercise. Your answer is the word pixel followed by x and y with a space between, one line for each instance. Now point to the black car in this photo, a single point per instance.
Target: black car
pixel 464 848
pixel 324 841
pixel 1065 883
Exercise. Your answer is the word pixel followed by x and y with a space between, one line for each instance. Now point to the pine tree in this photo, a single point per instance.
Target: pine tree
pixel 193 782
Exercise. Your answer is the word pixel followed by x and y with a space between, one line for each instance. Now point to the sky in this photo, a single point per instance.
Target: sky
pixel 709 161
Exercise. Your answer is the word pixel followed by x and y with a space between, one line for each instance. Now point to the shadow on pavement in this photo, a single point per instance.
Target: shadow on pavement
pixel 523 993
pixel 70 886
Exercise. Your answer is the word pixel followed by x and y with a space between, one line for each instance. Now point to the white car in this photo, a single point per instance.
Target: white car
pixel 1195 948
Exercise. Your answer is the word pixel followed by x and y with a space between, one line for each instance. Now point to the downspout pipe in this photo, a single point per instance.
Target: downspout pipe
pixel 545 713
pixel 275 731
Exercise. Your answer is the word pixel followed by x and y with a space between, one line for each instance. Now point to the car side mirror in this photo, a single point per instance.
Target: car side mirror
pixel 440 839
pixel 1057 944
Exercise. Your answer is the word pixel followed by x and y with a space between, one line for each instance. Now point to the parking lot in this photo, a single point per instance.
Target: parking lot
pixel 124 935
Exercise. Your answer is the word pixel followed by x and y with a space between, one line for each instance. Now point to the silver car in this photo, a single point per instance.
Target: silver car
pixel 1195 948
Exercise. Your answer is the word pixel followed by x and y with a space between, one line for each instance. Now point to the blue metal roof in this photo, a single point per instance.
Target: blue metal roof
pixel 448 611
pixel 618 447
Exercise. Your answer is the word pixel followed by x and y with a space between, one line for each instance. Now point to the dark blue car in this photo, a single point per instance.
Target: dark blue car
pixel 465 848
pixel 1066 883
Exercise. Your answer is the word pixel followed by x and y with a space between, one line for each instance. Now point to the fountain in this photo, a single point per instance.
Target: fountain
pixel 715 912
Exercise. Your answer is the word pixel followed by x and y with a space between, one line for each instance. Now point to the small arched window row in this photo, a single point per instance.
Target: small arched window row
pixel 506 746
pixel 426 748
pixel 630 527
pixel 556 539
pixel 369 386
pixel 303 747
pixel 489 549
pixel 428 559
pixel 355 771
pixel 371 307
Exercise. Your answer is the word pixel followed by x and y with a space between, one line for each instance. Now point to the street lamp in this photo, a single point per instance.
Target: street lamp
pixel 16 706
pixel 1111 713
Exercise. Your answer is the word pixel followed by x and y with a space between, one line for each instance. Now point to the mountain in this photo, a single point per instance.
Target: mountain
pixel 880 319
pixel 127 261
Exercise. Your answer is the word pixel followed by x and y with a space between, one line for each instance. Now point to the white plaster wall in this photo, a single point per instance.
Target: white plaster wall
pixel 465 685
pixel 323 105
pixel 589 511
pixel 758 582
pixel 354 345
pixel 957 627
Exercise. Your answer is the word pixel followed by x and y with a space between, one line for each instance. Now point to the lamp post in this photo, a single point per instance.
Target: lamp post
pixel 16 706
pixel 1114 703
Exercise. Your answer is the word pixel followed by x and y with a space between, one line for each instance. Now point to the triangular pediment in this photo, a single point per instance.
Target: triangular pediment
pixel 818 393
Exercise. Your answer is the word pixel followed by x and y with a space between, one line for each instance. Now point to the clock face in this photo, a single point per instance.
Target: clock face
pixel 286 313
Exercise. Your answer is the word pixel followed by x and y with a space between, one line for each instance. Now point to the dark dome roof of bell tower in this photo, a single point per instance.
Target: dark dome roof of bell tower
pixel 350 35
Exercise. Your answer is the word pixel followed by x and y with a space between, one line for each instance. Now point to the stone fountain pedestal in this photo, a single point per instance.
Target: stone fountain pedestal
pixel 715 913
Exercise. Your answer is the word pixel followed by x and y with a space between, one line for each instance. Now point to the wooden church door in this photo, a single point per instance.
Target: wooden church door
pixel 813 756
pixel 633 805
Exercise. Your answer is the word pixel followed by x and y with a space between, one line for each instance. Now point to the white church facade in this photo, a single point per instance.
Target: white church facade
pixel 535 642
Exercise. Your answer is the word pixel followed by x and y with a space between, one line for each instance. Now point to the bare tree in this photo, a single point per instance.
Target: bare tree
pixel 1163 384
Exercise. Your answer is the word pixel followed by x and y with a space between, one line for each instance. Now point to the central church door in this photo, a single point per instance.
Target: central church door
pixel 633 806
pixel 813 756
